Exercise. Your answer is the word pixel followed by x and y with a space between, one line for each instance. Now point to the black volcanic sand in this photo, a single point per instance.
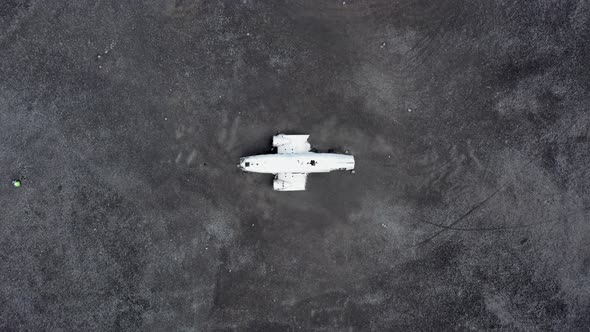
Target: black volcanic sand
pixel 469 121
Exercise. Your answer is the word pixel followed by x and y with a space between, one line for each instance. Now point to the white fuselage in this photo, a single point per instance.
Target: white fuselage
pixel 306 162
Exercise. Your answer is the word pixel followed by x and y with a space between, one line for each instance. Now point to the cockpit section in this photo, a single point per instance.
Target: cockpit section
pixel 246 164
pixel 243 163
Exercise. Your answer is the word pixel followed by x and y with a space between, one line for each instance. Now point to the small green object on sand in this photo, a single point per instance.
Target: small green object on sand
pixel 16 183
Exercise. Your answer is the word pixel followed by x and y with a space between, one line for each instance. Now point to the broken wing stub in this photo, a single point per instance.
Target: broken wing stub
pixel 291 143
pixel 290 181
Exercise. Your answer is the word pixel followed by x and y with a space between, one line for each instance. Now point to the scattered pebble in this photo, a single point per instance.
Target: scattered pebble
pixel 409 110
